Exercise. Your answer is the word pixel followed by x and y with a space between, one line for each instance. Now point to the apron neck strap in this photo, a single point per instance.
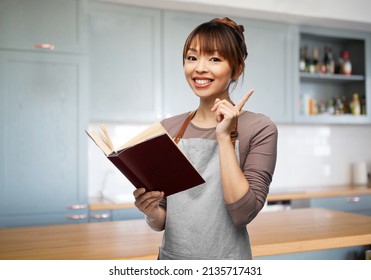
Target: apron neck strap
pixel 234 132
pixel 184 126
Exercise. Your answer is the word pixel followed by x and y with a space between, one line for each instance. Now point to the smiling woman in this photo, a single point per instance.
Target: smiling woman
pixel 233 150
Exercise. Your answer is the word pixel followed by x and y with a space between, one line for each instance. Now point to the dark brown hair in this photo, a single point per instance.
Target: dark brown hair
pixel 222 35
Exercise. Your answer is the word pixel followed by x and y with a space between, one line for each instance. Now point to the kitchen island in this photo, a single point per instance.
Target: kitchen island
pixel 271 233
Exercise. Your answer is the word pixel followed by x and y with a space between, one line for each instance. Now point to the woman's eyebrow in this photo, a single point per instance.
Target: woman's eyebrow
pixel 192 49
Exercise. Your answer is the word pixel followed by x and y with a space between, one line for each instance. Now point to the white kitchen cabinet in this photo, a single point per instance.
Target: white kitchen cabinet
pixel 42 167
pixel 268 66
pixel 43 113
pixel 24 23
pixel 125 63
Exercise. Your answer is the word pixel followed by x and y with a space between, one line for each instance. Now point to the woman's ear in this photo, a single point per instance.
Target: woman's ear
pixel 237 73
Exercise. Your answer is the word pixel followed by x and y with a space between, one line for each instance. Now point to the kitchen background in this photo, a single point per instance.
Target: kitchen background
pixel 119 63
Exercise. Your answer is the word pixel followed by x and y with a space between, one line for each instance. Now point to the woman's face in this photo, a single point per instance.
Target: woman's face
pixel 209 75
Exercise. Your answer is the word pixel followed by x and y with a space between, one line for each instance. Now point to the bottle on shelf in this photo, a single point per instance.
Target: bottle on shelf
pixel 355 105
pixel 338 106
pixel 316 64
pixel 309 64
pixel 345 65
pixel 330 107
pixel 303 59
pixel 322 106
pixel 330 65
pixel 346 107
pixel 323 68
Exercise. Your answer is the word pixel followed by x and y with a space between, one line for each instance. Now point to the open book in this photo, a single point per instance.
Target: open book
pixel 151 160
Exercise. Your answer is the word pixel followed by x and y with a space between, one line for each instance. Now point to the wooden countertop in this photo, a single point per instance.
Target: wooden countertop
pixel 307 229
pixel 96 204
pixel 317 192
pixel 275 195
pixel 271 233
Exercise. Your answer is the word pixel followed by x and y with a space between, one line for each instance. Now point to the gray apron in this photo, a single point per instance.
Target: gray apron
pixel 198 225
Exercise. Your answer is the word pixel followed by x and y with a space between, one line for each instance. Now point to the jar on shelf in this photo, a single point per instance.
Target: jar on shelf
pixel 345 65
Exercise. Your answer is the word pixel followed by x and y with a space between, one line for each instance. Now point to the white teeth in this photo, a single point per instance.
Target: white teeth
pixel 202 82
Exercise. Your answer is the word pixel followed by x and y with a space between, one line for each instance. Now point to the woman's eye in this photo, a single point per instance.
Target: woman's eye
pixel 215 59
pixel 191 57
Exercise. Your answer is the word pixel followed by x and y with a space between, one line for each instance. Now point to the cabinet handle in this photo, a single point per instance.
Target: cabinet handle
pixel 77 206
pixel 76 217
pixel 354 199
pixel 44 46
pixel 100 216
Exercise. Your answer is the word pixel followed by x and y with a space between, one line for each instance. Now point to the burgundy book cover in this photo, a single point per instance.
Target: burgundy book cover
pixel 157 164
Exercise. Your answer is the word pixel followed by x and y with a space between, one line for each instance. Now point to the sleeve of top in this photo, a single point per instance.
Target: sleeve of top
pixel 258 169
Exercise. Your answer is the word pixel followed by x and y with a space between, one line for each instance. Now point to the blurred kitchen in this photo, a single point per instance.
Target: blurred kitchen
pixel 69 65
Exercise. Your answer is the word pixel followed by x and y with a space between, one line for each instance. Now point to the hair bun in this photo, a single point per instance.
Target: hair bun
pixel 230 23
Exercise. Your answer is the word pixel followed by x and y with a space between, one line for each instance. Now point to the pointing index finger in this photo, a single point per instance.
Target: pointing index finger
pixel 243 101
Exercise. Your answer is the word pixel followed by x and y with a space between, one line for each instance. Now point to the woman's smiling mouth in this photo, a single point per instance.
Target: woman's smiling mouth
pixel 202 82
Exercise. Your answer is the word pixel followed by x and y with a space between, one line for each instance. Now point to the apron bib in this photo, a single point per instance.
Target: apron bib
pixel 198 225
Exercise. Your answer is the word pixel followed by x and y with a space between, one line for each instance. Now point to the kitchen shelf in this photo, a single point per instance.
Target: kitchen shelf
pixel 319 87
pixel 318 77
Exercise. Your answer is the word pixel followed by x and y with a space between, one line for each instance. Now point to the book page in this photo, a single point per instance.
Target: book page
pixel 150 132
pixel 104 142
pixel 99 142
pixel 106 137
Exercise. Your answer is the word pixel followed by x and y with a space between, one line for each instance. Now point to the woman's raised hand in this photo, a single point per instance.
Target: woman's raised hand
pixel 226 114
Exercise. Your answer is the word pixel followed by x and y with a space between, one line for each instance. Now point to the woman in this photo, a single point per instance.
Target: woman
pixel 234 150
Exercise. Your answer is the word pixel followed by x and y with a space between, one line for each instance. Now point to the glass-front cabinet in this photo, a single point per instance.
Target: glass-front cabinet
pixel 333 83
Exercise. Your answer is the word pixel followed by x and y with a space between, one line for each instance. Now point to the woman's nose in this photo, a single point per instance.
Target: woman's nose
pixel 201 66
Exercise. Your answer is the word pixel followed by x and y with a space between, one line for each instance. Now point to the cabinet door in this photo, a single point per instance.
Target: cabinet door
pixel 358 204
pixel 25 23
pixel 100 216
pixel 125 59
pixel 127 214
pixel 42 139
pixel 267 66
